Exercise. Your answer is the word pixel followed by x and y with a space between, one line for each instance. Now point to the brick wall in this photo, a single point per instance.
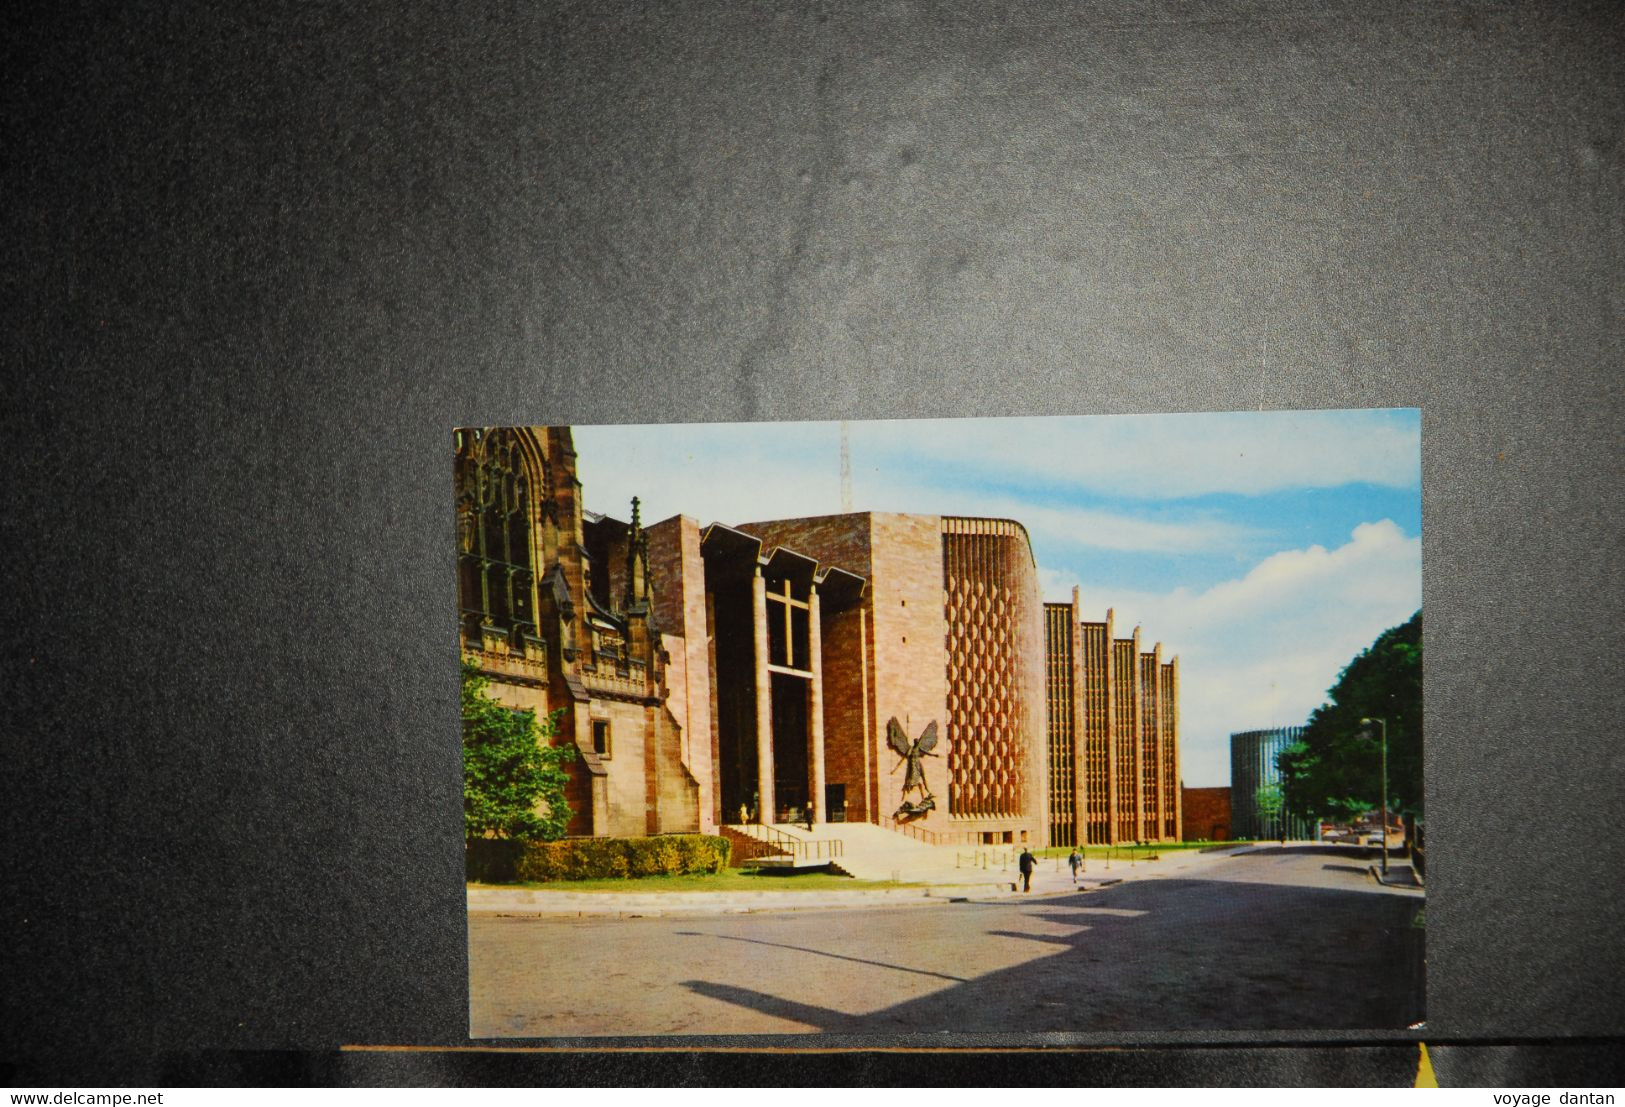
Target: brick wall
pixel 1125 739
pixel 840 540
pixel 1060 678
pixel 908 635
pixel 904 615
pixel 1151 797
pixel 848 755
pixel 1168 720
pixel 906 659
pixel 1206 814
pixel 1097 720
pixel 853 742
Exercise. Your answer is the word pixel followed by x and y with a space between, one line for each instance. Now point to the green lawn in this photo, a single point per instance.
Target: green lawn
pixel 1125 852
pixel 730 880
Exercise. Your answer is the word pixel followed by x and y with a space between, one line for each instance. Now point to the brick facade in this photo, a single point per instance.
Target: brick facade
pixel 951 633
pixel 689 662
pixel 1206 814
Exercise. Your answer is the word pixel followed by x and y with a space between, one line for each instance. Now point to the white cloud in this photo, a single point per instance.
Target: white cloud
pixel 1262 650
pixel 1056 585
pixel 1109 530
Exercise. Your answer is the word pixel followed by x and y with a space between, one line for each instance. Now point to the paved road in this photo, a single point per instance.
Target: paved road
pixel 1269 940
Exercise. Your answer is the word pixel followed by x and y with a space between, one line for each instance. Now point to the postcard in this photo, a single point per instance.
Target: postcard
pixel 1082 725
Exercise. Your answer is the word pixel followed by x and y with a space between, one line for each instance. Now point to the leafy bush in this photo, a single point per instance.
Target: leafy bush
pixel 513 776
pixel 500 862
pixel 493 860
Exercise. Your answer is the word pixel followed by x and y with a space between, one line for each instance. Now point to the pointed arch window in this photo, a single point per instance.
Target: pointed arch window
pixel 497 563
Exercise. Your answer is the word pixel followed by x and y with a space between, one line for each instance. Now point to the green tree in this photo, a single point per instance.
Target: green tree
pixel 1335 770
pixel 513 777
pixel 1269 802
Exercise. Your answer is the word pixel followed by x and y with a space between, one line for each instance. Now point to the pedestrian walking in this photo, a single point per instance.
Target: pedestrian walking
pixel 1027 864
pixel 1073 862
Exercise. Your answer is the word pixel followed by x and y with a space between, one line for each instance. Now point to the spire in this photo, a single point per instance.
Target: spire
pixel 637 563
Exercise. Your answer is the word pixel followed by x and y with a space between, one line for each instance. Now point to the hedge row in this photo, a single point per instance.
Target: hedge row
pixel 492 861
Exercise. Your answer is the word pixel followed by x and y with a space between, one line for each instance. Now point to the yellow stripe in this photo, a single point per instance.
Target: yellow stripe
pixel 1424 1069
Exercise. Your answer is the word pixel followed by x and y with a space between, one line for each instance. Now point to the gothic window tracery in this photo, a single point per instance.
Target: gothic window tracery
pixel 497 562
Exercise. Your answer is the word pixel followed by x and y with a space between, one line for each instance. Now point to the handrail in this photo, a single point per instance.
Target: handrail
pixel 807 849
pixel 766 833
pixel 929 837
pixel 919 833
pixel 746 848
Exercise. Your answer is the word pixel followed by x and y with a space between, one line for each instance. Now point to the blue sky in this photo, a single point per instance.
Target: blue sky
pixel 1265 548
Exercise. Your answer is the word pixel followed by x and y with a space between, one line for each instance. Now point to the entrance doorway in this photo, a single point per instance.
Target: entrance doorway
pixel 790 747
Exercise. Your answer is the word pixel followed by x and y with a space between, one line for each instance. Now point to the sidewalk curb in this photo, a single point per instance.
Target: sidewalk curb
pixel 537 903
pixel 1395 880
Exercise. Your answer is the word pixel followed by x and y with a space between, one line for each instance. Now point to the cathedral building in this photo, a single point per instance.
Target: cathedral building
pixel 893 669
pixel 829 636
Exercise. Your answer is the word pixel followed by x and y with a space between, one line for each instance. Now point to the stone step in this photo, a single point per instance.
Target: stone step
pixel 870 852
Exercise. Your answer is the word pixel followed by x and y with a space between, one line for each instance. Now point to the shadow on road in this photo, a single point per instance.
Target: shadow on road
pixel 821 953
pixel 824 1018
pixel 1324 849
pixel 1171 954
pixel 1023 935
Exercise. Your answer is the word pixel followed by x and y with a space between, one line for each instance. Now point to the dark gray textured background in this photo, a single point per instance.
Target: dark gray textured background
pixel 264 261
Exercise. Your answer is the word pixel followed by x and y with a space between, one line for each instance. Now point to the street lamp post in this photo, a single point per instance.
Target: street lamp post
pixel 1383 723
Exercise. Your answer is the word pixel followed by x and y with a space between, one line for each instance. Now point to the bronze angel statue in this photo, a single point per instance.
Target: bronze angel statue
pixel 914 754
